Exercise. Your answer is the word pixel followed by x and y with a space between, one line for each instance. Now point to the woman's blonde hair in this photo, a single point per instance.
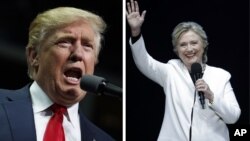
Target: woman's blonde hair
pixel 184 27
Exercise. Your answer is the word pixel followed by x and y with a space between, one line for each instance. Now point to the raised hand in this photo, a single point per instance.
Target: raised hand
pixel 135 20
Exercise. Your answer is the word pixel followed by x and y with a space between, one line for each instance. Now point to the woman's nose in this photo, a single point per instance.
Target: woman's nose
pixel 189 47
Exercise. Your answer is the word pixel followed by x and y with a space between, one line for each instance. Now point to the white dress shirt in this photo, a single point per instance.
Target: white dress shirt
pixel 42 115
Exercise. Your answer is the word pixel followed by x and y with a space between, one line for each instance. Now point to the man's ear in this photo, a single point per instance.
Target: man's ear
pixel 32 56
pixel 96 61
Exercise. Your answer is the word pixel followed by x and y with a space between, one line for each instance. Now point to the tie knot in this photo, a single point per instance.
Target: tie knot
pixel 56 108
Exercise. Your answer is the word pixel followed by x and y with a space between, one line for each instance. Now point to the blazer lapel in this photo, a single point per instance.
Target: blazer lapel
pixel 86 131
pixel 20 115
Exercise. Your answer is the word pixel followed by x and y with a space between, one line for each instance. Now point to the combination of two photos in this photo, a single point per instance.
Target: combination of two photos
pixel 124 70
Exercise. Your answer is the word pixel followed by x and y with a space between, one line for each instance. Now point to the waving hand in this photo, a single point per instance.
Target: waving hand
pixel 135 20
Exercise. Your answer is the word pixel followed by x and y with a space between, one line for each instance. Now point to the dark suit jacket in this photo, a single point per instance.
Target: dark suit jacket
pixel 17 119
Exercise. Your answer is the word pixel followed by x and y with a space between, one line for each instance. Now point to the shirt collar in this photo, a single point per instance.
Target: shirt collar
pixel 73 114
pixel 41 102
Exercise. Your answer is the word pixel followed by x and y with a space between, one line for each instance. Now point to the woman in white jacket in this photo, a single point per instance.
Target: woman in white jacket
pixel 184 118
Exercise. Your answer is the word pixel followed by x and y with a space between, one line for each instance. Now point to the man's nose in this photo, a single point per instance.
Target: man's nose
pixel 77 53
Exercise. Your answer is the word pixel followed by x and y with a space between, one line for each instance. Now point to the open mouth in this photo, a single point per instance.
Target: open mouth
pixel 190 54
pixel 73 75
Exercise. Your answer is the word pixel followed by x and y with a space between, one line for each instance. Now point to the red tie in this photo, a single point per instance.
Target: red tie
pixel 54 130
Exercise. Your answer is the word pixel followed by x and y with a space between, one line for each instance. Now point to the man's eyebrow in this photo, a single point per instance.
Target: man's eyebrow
pixel 84 39
pixel 64 35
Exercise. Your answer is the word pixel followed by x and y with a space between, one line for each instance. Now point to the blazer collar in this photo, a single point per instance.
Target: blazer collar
pixel 20 114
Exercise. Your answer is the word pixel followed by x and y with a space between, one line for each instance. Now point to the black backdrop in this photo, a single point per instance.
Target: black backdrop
pixel 227 26
pixel 16 16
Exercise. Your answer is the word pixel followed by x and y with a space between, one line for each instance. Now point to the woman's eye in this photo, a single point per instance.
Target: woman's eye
pixel 183 45
pixel 194 43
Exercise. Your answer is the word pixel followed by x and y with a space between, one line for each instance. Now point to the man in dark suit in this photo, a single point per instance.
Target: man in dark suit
pixel 64 45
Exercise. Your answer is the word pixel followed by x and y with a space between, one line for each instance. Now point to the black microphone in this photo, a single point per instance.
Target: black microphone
pixel 100 86
pixel 196 71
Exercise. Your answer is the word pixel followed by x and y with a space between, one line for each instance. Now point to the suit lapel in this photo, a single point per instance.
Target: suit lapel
pixel 86 131
pixel 20 115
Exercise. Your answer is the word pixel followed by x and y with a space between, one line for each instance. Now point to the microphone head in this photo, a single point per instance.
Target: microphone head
pixel 92 83
pixel 196 68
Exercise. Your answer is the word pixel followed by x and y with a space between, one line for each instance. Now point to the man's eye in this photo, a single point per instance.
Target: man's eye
pixel 87 46
pixel 64 43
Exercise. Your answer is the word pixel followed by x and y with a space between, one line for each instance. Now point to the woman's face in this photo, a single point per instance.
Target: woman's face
pixel 190 48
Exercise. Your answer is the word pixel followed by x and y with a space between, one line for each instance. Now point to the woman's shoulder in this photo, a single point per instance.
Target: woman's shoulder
pixel 174 62
pixel 218 71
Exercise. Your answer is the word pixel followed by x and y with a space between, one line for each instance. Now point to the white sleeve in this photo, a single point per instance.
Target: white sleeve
pixel 150 67
pixel 225 103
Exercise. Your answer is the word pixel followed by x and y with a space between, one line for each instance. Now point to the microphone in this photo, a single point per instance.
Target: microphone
pixel 196 71
pixel 100 86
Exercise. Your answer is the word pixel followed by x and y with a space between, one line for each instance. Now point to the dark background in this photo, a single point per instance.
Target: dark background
pixel 16 15
pixel 227 26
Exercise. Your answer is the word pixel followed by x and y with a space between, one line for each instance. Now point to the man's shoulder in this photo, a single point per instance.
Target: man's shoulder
pixel 9 93
pixel 4 93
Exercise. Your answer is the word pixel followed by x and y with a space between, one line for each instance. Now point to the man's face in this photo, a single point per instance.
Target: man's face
pixel 65 56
